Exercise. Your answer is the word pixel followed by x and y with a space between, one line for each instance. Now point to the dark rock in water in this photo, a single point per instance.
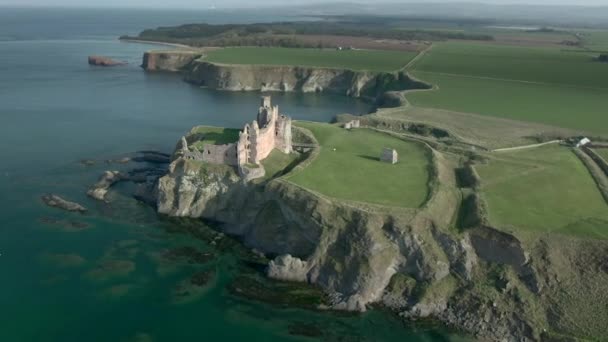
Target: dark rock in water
pixel 153 157
pixel 188 254
pixel 154 152
pixel 109 269
pixel 100 189
pixel 278 293
pixel 304 329
pixel 192 289
pixel 104 61
pixel 124 160
pixel 201 278
pixel 87 162
pixel 57 202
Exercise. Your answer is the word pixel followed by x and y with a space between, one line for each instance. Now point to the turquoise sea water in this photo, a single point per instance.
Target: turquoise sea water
pixel 97 277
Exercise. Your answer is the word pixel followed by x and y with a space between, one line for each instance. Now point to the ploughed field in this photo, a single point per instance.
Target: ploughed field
pixel 566 88
pixel 370 60
pixel 545 189
pixel 348 167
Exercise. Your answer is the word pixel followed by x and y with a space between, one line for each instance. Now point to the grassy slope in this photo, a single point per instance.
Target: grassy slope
pixel 216 135
pixel 372 60
pixel 276 162
pixel 353 171
pixel 544 189
pixel 602 152
pixel 575 108
pixel 543 85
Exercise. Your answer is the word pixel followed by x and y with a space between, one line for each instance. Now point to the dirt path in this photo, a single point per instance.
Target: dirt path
pixel 527 146
pixel 418 57
pixel 507 80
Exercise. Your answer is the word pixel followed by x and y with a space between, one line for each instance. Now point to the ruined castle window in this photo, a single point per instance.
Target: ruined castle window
pixel 208 151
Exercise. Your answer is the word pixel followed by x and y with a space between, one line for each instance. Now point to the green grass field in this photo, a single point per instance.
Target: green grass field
pixel 545 85
pixel 215 135
pixel 562 106
pixel 546 189
pixel 353 171
pixel 602 152
pixel 541 65
pixel 371 60
pixel 276 163
pixel 596 40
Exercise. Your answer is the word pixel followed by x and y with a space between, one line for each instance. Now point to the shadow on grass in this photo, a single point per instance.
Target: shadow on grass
pixel 369 157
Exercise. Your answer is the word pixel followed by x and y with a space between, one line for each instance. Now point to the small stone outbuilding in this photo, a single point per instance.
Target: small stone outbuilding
pixel 352 124
pixel 583 141
pixel 389 155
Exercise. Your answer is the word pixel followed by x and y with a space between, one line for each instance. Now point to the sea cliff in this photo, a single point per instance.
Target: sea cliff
pixel 382 88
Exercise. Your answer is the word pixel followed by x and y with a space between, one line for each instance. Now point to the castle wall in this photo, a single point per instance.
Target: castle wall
pixel 283 134
pixel 264 143
pixel 220 154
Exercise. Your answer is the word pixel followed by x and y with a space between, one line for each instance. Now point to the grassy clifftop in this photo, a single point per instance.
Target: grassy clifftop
pixel 368 60
pixel 349 168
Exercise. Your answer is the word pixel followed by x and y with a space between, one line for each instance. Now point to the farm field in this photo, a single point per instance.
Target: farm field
pixel 541 190
pixel 567 107
pixel 353 171
pixel 596 40
pixel 371 60
pixel 545 85
pixel 541 65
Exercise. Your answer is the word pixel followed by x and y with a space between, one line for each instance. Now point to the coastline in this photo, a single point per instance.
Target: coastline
pixel 141 41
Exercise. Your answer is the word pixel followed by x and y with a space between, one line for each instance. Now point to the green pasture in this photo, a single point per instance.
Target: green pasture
pixel 545 85
pixel 371 60
pixel 545 189
pixel 348 167
pixel 530 64
pixel 210 135
pixel 595 40
pixel 277 162
pixel 562 106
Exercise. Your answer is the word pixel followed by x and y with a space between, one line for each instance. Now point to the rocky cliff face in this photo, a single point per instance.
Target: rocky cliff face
pixel 172 61
pixel 360 84
pixel 481 280
pixel 380 87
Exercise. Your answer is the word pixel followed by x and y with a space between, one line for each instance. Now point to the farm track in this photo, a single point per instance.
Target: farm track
pixel 509 80
pixel 524 147
pixel 418 57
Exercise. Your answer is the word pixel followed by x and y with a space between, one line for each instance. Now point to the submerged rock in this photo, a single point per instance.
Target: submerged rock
pixel 56 201
pixel 65 225
pixel 63 260
pixel 192 289
pixel 109 269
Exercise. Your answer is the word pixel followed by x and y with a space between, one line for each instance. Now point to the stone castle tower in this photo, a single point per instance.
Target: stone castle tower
pixel 271 130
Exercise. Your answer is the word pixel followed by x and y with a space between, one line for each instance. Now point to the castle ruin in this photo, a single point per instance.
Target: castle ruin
pixel 271 130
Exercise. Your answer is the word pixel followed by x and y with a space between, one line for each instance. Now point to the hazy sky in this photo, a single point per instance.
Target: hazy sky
pixel 254 3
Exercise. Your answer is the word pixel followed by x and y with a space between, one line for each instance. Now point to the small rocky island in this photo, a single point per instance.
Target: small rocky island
pixel 104 61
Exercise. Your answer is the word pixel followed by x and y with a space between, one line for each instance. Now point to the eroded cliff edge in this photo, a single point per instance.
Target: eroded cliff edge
pixel 381 88
pixel 415 261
